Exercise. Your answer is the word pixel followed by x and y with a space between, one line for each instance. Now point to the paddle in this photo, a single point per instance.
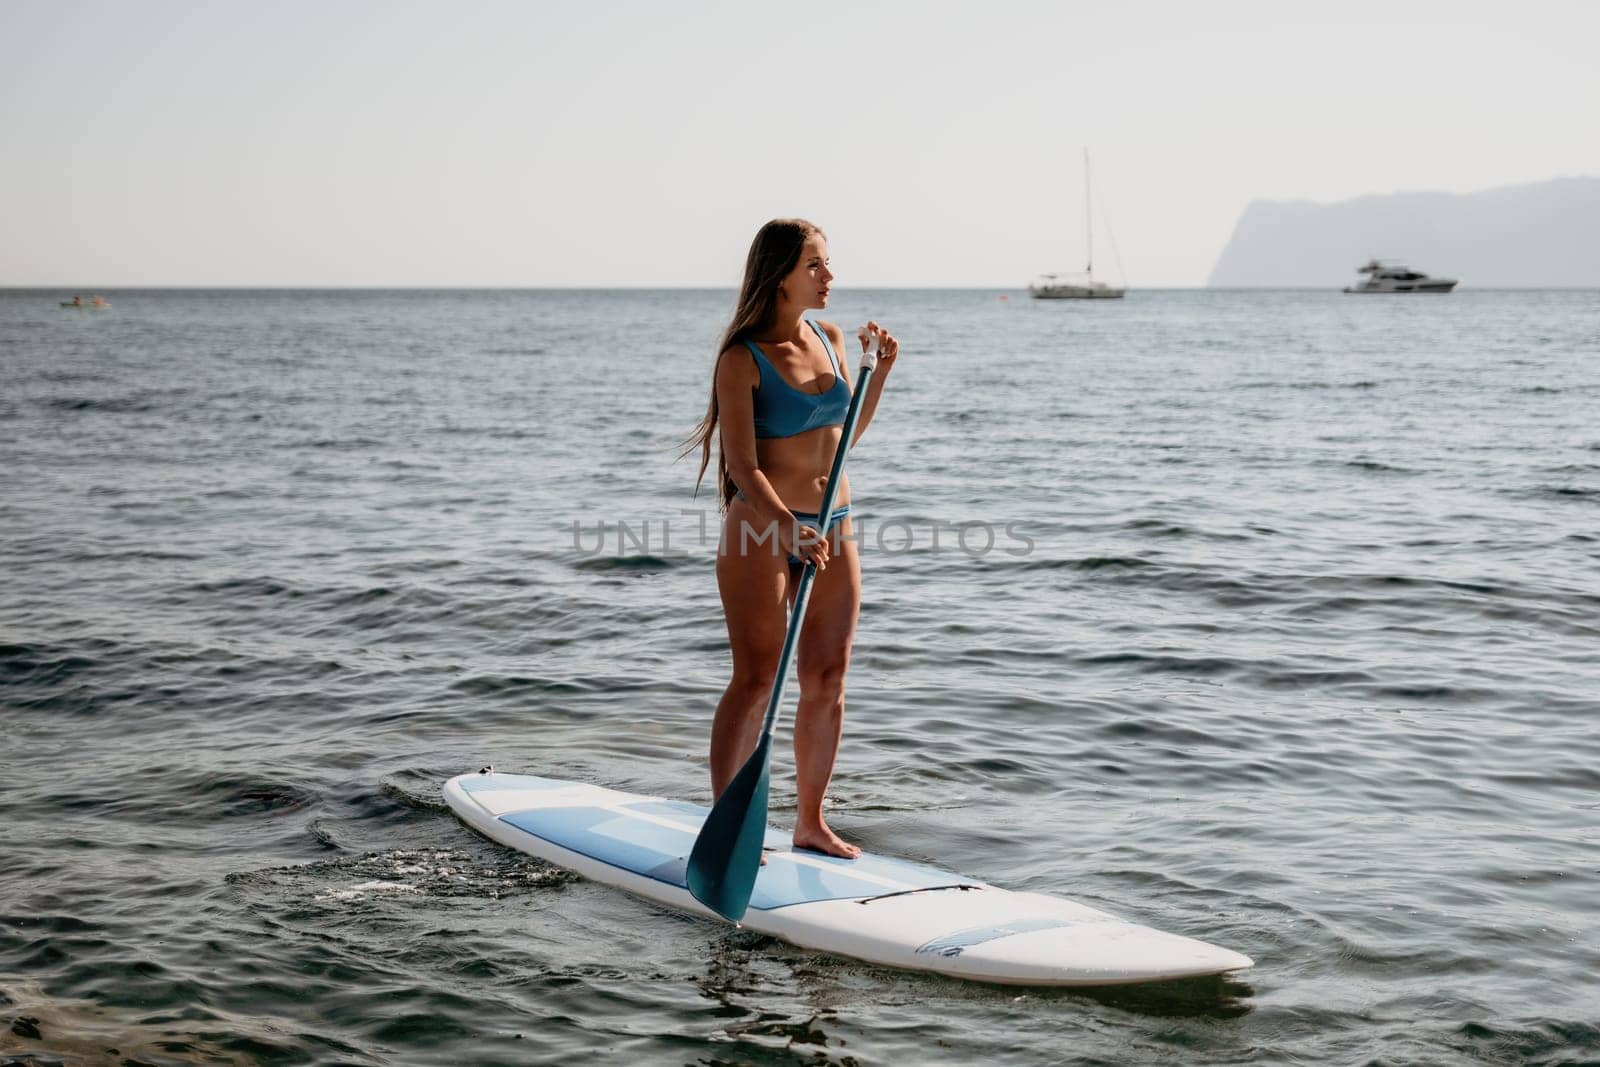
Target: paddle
pixel 727 855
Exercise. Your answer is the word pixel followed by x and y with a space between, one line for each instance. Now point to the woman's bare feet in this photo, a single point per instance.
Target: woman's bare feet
pixel 820 838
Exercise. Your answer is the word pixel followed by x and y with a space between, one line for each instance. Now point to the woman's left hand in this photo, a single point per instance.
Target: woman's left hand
pixel 888 347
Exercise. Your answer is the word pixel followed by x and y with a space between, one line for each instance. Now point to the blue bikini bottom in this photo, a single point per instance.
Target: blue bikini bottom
pixel 806 518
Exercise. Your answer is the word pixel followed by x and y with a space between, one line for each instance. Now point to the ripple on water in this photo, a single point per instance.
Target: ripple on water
pixel 1298 658
pixel 372 877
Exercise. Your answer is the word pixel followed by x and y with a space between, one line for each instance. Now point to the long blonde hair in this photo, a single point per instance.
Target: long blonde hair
pixel 773 254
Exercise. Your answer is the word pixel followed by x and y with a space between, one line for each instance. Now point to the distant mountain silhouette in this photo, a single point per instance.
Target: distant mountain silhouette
pixel 1533 236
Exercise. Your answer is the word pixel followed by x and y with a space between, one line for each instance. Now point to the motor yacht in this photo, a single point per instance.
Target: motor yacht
pixel 1397 278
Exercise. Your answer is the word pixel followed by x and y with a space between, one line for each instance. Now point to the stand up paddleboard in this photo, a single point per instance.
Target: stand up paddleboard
pixel 873 908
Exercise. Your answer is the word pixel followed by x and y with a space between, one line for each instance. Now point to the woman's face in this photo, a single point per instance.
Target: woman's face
pixel 807 285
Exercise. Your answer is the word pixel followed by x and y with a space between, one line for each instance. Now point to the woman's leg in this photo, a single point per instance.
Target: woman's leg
pixel 754 582
pixel 826 635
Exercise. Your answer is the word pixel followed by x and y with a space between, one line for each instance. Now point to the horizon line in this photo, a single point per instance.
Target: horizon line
pixel 82 289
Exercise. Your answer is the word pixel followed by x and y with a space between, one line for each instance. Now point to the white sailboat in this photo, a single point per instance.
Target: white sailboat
pixel 1078 287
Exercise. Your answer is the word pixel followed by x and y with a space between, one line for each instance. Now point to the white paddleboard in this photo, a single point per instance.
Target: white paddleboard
pixel 873 908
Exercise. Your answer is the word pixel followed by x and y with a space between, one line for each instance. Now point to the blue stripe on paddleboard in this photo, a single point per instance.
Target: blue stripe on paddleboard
pixel 693 815
pixel 953 944
pixel 487 783
pixel 660 852
pixel 914 875
pixel 782 882
pixel 632 844
pixel 670 808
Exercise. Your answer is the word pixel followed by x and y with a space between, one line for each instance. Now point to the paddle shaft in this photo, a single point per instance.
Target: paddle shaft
pixel 808 573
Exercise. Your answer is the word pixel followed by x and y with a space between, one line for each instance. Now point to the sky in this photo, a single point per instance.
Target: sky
pixel 356 143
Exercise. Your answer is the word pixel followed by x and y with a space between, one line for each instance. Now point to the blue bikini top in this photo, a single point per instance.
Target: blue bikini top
pixel 783 411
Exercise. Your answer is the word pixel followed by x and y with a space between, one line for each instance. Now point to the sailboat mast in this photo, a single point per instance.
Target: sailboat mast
pixel 1088 217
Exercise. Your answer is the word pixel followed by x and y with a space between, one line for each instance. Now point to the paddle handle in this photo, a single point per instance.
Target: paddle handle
pixel 830 493
pixel 869 358
pixel 808 574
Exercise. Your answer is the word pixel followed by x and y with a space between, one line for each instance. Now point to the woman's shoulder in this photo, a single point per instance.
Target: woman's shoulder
pixel 730 363
pixel 840 350
pixel 835 334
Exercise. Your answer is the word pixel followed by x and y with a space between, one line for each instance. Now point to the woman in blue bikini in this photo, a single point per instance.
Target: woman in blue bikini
pixel 778 397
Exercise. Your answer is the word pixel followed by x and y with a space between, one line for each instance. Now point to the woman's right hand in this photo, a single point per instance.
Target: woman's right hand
pixel 804 543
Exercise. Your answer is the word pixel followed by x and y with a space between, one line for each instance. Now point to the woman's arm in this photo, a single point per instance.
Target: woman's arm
pixel 737 379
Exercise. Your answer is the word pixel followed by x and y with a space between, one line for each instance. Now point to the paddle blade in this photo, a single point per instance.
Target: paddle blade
pixel 727 855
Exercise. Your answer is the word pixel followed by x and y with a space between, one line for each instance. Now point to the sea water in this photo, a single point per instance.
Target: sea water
pixel 1269 618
